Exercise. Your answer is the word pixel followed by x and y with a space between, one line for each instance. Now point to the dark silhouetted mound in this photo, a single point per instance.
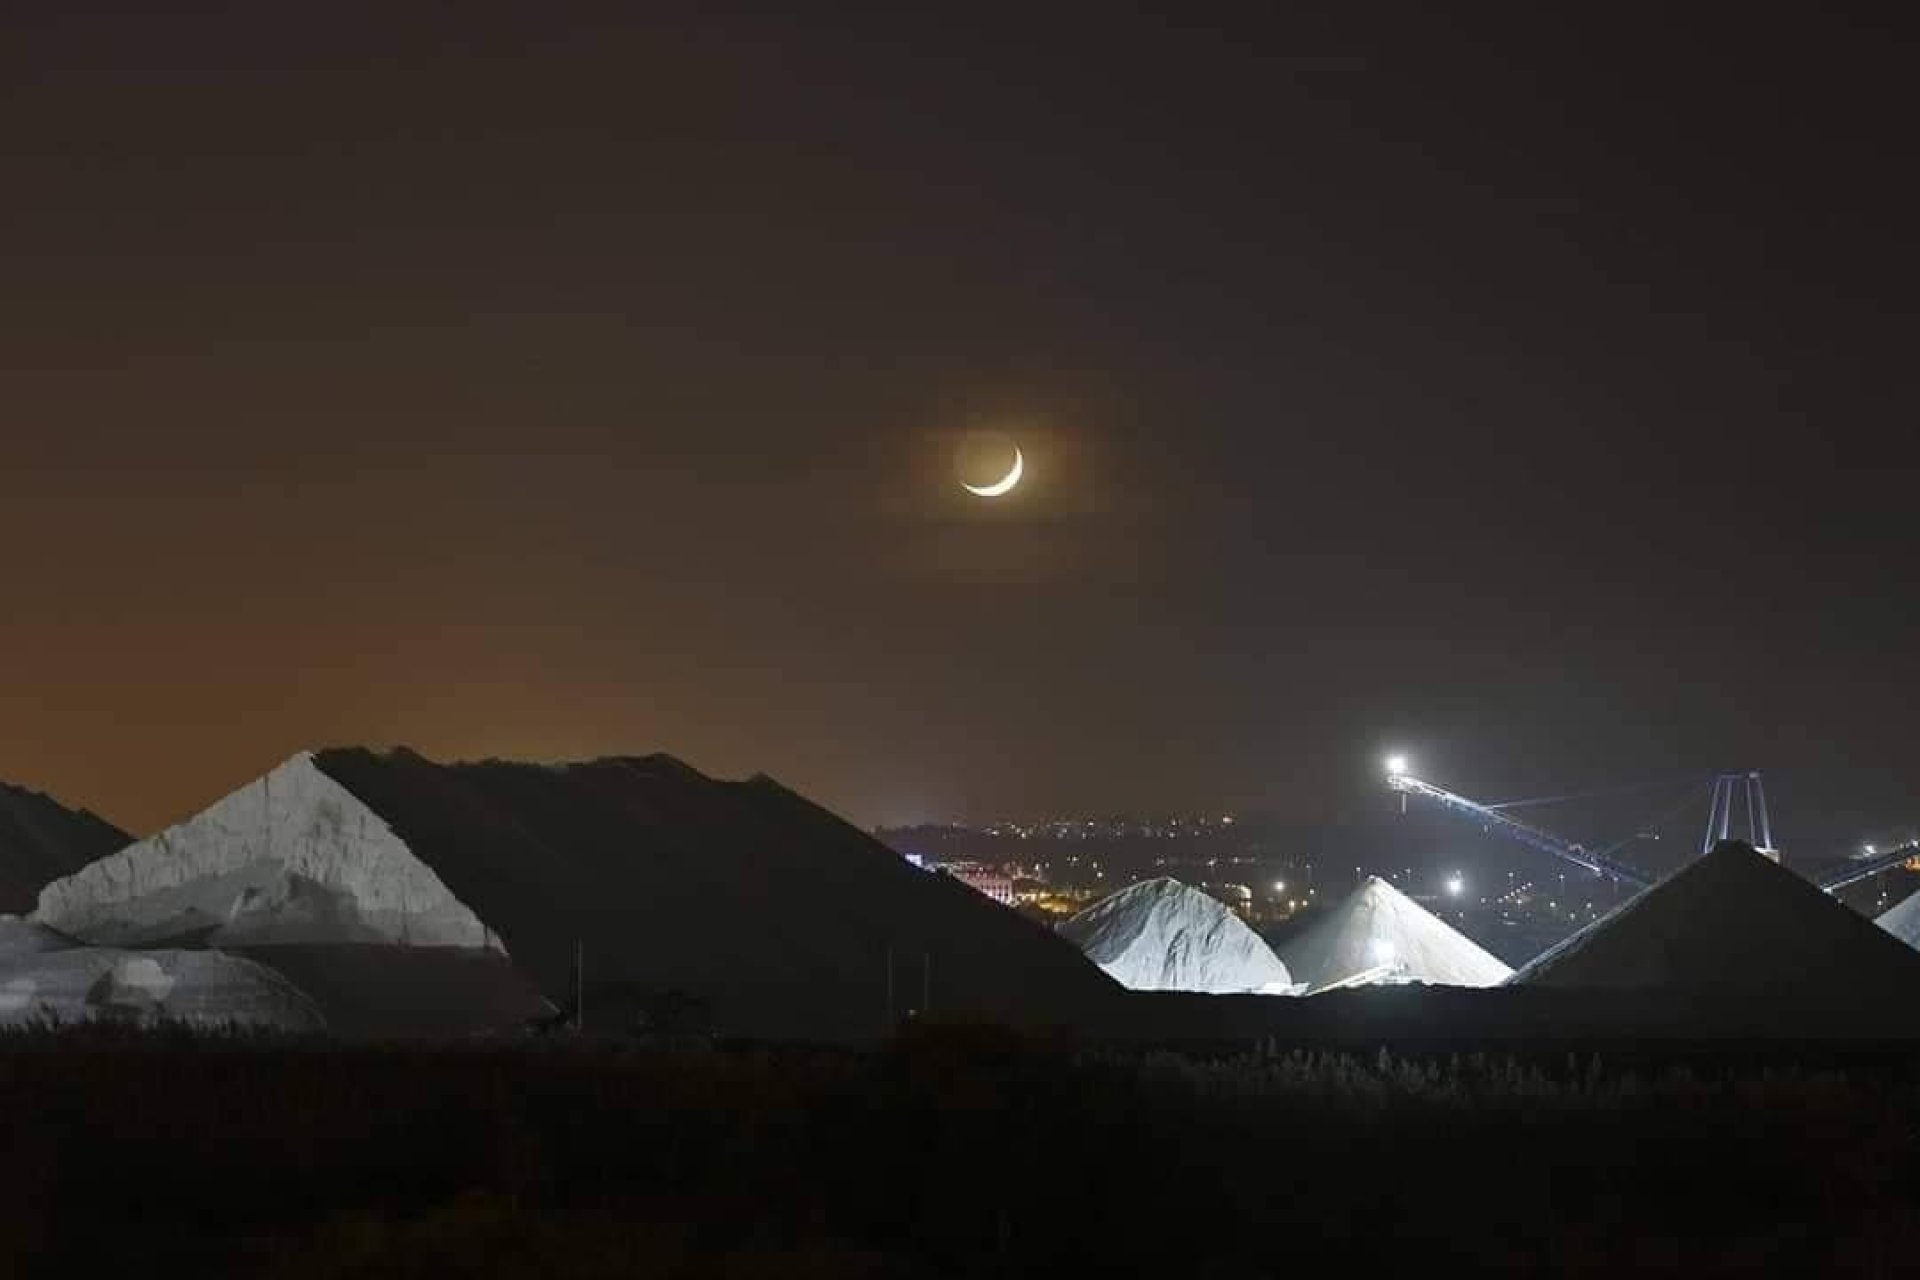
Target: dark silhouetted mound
pixel 41 840
pixel 1736 929
pixel 742 895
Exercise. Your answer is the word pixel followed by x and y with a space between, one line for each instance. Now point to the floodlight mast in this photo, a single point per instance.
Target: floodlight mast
pixel 1398 779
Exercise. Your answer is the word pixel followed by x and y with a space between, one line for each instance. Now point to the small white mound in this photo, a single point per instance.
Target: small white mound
pixel 1902 920
pixel 291 858
pixel 198 988
pixel 136 982
pixel 1161 935
pixel 1379 935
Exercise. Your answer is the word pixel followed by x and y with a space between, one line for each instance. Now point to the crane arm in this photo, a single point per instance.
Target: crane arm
pixel 1854 872
pixel 1533 837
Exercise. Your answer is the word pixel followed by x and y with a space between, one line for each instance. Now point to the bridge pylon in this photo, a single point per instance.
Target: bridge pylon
pixel 1720 823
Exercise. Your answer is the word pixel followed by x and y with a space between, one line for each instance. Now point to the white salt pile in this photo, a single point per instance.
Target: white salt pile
pixel 1162 935
pixel 1379 935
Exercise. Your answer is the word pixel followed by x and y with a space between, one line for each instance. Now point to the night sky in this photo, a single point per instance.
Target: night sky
pixel 1538 399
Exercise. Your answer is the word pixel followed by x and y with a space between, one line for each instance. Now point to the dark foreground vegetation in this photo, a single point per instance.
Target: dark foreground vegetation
pixel 956 1151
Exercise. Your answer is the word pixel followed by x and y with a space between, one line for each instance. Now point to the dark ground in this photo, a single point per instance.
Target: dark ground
pixel 953 1151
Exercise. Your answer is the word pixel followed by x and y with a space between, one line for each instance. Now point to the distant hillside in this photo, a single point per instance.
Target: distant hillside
pixel 42 840
pixel 742 894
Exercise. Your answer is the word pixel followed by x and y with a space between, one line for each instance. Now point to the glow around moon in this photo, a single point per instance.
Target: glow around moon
pixel 1005 484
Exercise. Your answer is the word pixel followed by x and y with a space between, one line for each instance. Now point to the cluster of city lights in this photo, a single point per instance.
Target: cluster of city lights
pixel 1171 828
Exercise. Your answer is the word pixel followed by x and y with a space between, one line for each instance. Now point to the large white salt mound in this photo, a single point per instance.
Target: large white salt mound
pixel 1379 935
pixel 293 857
pixel 1161 935
pixel 200 988
pixel 1902 920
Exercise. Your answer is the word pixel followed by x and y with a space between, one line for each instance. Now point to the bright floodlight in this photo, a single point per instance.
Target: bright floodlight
pixel 1870 850
pixel 1396 765
pixel 1455 885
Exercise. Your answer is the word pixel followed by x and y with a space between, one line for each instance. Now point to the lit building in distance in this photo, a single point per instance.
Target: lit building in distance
pixel 991 881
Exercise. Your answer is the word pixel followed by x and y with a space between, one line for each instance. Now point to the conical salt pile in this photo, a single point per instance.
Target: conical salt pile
pixel 1378 934
pixel 1161 935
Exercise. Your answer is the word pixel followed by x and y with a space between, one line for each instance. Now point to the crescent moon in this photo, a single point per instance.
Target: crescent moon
pixel 1004 484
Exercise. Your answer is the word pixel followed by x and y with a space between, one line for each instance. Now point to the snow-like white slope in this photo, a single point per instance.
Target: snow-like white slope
pixel 1378 928
pixel 203 988
pixel 1902 920
pixel 1161 935
pixel 291 858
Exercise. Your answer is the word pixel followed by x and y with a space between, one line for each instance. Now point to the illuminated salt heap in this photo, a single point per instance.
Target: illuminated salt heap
pixel 1161 935
pixel 296 873
pixel 1379 935
pixel 292 857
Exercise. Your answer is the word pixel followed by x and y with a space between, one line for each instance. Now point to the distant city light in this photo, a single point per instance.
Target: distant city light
pixel 1870 850
pixel 1279 886
pixel 1455 886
